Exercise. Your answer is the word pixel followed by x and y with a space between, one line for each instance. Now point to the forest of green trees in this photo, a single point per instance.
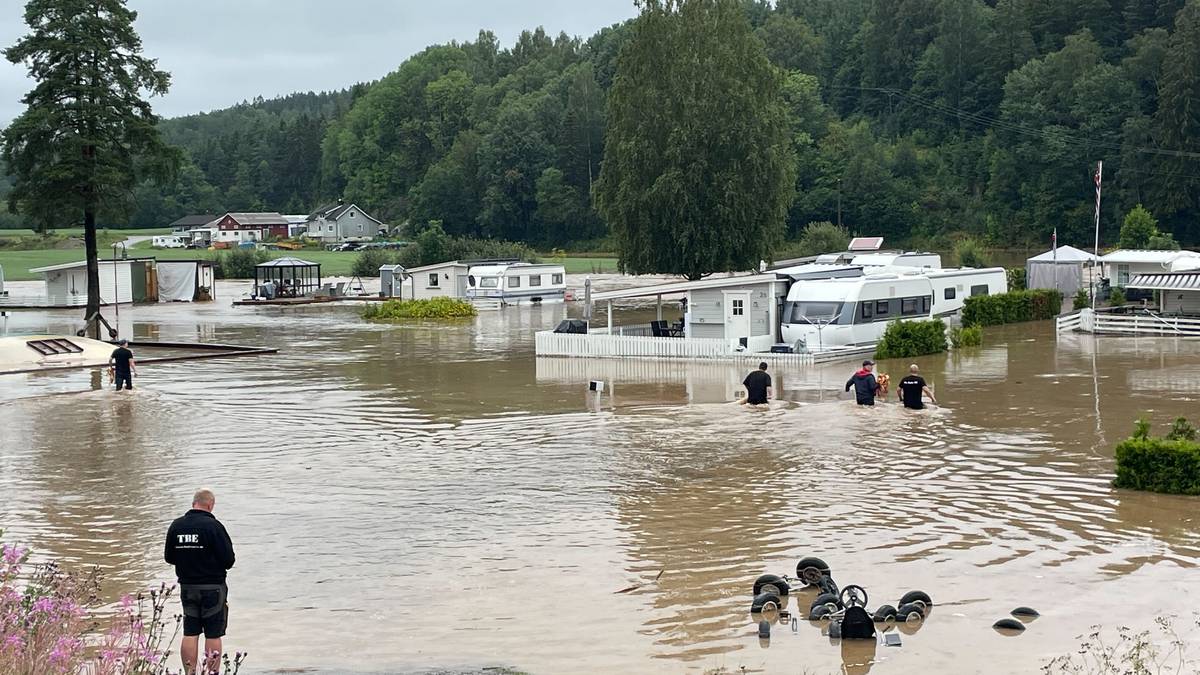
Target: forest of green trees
pixel 926 120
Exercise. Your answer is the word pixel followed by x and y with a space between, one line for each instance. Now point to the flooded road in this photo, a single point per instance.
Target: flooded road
pixel 406 497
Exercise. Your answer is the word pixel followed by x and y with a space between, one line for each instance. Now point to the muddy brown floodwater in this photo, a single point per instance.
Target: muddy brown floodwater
pixel 423 496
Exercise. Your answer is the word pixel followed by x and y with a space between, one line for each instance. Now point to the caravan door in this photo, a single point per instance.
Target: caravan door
pixel 737 315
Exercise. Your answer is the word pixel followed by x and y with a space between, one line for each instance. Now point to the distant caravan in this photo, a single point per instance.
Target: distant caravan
pixel 824 314
pixel 514 283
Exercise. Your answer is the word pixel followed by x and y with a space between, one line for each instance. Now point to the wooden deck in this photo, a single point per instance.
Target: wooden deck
pixel 307 300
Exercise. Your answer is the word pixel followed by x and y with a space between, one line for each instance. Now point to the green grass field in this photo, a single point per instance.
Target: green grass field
pixel 17 264
pixel 78 232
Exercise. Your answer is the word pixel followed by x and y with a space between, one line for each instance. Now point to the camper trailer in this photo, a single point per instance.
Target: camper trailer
pixel 825 313
pixel 516 282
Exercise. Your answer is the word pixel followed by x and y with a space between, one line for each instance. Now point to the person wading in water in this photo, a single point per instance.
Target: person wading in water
pixel 758 387
pixel 201 551
pixel 864 383
pixel 122 365
pixel 912 387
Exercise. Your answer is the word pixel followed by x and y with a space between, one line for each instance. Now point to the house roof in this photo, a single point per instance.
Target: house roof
pixel 335 211
pixel 83 263
pixel 1143 256
pixel 288 261
pixel 199 220
pixel 1176 281
pixel 1067 255
pixel 258 218
pixel 679 287
pixel 449 263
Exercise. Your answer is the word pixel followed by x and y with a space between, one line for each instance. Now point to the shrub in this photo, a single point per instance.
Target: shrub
pixel 434 308
pixel 1081 301
pixel 969 253
pixel 239 263
pixel 1170 464
pixel 49 623
pixel 1016 278
pixel 817 238
pixel 905 339
pixel 1011 307
pixel 1116 297
pixel 966 336
pixel 369 261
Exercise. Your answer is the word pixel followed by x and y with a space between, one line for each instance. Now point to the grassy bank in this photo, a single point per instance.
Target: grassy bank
pixel 78 232
pixel 17 264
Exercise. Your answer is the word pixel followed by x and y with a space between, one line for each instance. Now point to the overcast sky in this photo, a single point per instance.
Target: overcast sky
pixel 221 52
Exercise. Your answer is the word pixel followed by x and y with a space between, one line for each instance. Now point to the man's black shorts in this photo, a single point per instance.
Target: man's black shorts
pixel 205 609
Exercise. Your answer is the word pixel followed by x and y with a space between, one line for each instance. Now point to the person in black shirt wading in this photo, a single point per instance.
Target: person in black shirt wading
pixel 201 551
pixel 122 365
pixel 912 387
pixel 758 386
pixel 864 383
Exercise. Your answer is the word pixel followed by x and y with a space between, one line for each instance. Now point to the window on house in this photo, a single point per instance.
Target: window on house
pixel 433 280
pixel 535 280
pixel 514 282
pixel 556 279
pixel 351 214
pixel 950 294
pixel 1122 275
pixel 981 289
pixel 739 307
pixel 329 228
pixel 360 227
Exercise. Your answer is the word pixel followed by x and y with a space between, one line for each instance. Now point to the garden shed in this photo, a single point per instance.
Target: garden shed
pixel 1064 268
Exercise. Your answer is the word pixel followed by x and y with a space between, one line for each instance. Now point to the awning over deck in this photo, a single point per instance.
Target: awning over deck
pixel 682 287
pixel 1177 281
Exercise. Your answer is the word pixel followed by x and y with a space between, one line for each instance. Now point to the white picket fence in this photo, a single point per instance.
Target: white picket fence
pixel 1107 323
pixel 603 345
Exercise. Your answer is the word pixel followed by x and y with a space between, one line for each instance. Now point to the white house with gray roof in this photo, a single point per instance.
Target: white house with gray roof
pixel 342 223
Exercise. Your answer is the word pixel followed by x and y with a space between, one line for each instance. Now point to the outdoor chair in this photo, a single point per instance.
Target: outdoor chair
pixel 659 329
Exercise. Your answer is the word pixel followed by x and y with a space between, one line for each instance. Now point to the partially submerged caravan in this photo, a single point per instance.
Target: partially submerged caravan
pixel 821 314
pixel 515 282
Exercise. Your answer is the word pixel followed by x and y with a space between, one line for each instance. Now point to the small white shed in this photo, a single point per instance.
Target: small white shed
pixel 448 279
pixel 121 281
pixel 1062 268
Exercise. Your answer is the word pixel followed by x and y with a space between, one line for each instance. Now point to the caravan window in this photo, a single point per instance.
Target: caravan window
pixel 535 280
pixel 489 282
pixel 910 306
pixel 514 282
pixel 950 294
pixel 981 289
pixel 881 308
pixel 812 312
pixel 867 310
pixel 925 302
pixel 556 279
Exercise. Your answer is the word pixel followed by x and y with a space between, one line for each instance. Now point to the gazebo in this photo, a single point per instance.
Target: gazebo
pixel 291 277
pixel 1062 269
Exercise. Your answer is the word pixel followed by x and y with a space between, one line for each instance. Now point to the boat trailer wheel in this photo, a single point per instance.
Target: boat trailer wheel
pixel 811 576
pixel 854 596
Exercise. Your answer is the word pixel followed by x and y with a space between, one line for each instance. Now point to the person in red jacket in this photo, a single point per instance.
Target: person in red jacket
pixel 202 552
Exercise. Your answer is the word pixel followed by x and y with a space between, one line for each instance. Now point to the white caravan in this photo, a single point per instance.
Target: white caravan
pixel 513 283
pixel 168 242
pixel 821 314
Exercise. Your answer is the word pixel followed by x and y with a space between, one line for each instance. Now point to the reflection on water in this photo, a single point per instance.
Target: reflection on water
pixel 418 496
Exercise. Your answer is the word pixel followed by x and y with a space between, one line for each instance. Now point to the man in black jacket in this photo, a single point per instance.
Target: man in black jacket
pixel 864 383
pixel 201 551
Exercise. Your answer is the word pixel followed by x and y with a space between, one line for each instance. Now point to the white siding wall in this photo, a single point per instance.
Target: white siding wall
pixel 707 310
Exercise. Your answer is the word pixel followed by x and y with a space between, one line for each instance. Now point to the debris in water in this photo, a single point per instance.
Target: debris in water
pixel 630 589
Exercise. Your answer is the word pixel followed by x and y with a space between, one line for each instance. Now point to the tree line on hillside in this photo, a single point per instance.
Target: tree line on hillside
pixel 919 120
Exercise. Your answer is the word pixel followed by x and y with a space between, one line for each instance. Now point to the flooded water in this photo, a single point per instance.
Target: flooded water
pixel 425 496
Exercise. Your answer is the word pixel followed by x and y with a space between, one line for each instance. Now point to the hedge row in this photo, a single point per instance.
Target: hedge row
pixel 434 308
pixel 905 339
pixel 1170 464
pixel 1012 307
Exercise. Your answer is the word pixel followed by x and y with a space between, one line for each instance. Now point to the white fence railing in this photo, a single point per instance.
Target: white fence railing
pixel 602 345
pixel 1143 323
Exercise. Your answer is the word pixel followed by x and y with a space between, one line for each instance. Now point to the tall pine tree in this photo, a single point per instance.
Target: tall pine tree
pixel 87 134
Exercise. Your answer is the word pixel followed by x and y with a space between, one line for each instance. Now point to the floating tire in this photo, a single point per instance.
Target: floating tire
pixel 914 596
pixel 813 563
pixel 770 583
pixel 884 613
pixel 765 601
pixel 819 612
pixel 1009 624
pixel 1026 612
pixel 828 599
pixel 909 612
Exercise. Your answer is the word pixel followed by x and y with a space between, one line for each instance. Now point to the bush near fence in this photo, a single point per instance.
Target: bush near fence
pixel 433 308
pixel 966 336
pixel 1170 464
pixel 905 339
pixel 1012 307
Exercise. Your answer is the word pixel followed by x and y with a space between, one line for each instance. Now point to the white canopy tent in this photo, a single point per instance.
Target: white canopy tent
pixel 1062 269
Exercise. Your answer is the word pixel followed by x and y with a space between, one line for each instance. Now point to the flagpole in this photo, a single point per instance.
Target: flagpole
pixel 1096 250
pixel 1054 246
